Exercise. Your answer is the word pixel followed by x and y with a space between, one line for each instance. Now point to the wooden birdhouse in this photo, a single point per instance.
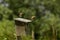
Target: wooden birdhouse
pixel 21 27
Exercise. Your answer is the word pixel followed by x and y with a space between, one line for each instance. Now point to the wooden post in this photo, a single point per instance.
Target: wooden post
pixel 53 33
pixel 20 25
pixel 33 35
pixel 53 30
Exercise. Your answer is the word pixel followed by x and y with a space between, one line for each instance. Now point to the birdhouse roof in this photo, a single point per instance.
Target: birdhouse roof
pixel 22 20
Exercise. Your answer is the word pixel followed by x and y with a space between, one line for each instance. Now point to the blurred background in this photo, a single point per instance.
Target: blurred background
pixel 46 24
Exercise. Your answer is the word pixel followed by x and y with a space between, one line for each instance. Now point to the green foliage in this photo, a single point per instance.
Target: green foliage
pixel 40 25
pixel 26 38
pixel 7 30
pixel 5 12
pixel 28 13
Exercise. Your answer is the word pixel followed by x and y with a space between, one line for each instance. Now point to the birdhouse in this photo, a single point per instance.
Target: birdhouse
pixel 21 27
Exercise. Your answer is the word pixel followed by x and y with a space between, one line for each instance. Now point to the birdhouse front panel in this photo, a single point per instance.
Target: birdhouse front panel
pixel 20 30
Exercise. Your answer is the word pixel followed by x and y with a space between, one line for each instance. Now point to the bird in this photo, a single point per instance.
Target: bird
pixel 33 17
pixel 21 14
